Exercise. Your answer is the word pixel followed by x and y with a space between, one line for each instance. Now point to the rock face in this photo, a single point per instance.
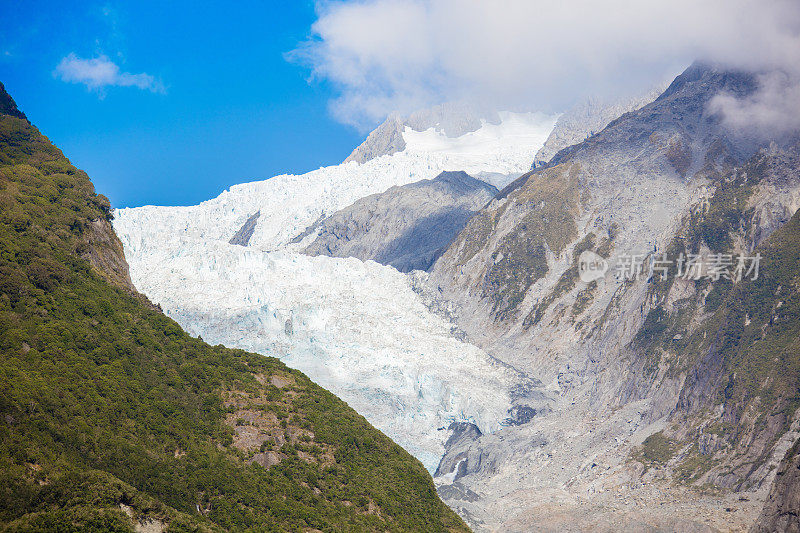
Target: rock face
pixel 405 227
pixel 782 509
pixel 102 249
pixel 602 403
pixel 242 237
pixel 626 186
pixel 462 434
pixel 453 119
pixel 586 119
pixel 290 203
pixel 646 377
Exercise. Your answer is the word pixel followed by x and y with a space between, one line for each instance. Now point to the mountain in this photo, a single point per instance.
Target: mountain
pixel 670 401
pixel 780 511
pixel 538 369
pixel 587 118
pixel 405 227
pixel 453 119
pixel 8 106
pixel 288 204
pixel 112 418
pixel 358 328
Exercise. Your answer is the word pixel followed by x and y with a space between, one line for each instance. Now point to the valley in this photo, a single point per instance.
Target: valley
pixel 568 388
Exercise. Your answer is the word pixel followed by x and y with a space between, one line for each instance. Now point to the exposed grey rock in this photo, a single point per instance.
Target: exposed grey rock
pixel 457 491
pixel 587 118
pixel 386 139
pixel 310 230
pixel 462 435
pixel 453 118
pixel 778 197
pixel 781 512
pixel 405 227
pixel 510 281
pixel 242 237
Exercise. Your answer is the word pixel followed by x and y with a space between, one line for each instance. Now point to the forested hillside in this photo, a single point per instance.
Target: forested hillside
pixel 112 417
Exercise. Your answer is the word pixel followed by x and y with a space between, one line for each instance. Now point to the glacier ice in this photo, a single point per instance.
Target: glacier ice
pixel 356 328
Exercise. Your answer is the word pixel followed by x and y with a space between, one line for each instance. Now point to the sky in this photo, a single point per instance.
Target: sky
pixel 170 103
pixel 403 54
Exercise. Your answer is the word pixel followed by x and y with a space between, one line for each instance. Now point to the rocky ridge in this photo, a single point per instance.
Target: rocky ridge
pixel 405 227
pixel 780 512
pixel 587 118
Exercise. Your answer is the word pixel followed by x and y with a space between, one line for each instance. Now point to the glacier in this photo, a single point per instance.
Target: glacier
pixel 356 328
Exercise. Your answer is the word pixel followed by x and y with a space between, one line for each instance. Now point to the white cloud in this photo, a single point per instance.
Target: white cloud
pixel 100 72
pixel 770 113
pixel 400 55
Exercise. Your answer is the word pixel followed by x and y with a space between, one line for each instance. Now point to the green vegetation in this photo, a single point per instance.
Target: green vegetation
pixel 758 335
pixel 693 466
pixel 753 336
pixel 550 200
pixel 656 450
pixel 111 414
pixel 654 325
pixel 726 211
pixel 745 354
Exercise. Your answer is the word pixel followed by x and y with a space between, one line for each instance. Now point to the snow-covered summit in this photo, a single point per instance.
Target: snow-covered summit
pixel 452 119
pixel 290 203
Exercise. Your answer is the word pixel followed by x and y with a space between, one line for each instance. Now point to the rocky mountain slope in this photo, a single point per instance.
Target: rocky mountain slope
pixel 658 387
pixel 405 227
pixel 288 204
pixel 780 512
pixel 112 418
pixel 587 118
pixel 547 391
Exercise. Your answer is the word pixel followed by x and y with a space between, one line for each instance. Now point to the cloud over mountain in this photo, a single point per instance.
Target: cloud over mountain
pixel 400 55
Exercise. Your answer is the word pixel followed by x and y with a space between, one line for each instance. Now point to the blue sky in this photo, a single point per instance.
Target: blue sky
pixel 172 102
pixel 209 99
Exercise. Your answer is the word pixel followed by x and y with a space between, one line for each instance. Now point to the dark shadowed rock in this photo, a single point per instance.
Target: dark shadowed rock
pixel 782 510
pixel 454 461
pixel 405 227
pixel 242 237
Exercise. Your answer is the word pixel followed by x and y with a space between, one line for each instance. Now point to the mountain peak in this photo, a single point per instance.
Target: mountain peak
pixel 714 78
pixel 454 119
pixel 8 106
